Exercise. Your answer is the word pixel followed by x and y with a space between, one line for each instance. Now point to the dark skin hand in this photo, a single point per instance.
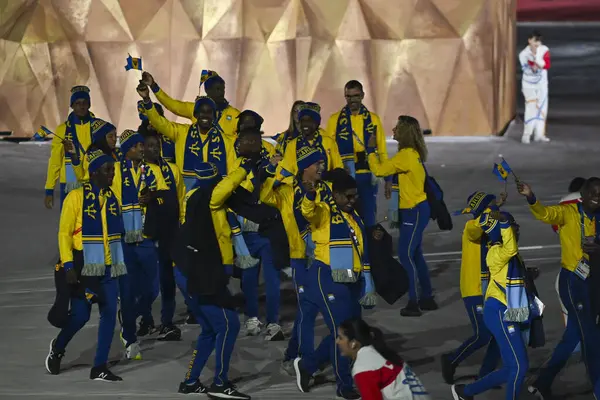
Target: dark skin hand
pixel 72 277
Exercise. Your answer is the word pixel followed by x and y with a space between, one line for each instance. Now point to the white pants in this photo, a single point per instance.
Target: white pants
pixel 536 111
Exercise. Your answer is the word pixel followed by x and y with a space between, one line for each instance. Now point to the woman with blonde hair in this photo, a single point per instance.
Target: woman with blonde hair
pixel 413 208
pixel 293 130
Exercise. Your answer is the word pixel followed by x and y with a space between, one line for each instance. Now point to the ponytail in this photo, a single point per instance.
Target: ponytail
pixel 357 329
pixel 378 342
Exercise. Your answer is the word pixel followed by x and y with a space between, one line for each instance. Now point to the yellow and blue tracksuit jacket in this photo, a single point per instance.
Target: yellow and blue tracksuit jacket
pixel 470 267
pixel 178 134
pixel 411 175
pixel 70 226
pixel 228 120
pixel 497 259
pixel 318 215
pixel 56 163
pixel 357 123
pixel 220 194
pixel 160 183
pixel 290 161
pixel 568 220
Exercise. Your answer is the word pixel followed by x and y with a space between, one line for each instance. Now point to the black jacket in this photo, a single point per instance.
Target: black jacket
pixel 389 277
pixel 197 253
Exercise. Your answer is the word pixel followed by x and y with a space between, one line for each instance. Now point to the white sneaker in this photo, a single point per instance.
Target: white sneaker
pixel 543 139
pixel 253 326
pixel 525 139
pixel 274 333
pixel 133 351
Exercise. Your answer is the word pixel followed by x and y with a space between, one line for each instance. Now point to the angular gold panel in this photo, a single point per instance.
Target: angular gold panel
pixel 449 63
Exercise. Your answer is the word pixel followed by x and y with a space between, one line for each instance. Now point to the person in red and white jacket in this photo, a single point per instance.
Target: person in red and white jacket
pixel 535 63
pixel 379 373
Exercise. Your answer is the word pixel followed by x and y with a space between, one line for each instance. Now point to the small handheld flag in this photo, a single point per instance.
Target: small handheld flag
pixel 502 170
pixel 133 63
pixel 42 134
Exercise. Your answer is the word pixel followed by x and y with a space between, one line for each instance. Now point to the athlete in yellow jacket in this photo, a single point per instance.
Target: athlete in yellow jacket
pixel 72 136
pixel 215 89
pixel 579 232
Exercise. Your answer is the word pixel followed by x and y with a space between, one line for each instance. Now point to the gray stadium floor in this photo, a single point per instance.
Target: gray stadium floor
pixel 28 237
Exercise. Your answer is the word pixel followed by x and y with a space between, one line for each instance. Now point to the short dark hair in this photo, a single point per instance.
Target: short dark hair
pixel 145 132
pixel 535 35
pixel 353 84
pixel 594 180
pixel 341 180
pixel 250 131
pixel 576 184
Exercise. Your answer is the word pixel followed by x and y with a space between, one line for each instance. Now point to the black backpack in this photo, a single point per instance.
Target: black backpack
pixel 435 198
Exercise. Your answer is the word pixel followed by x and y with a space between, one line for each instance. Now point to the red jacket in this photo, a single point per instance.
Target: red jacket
pixel 378 379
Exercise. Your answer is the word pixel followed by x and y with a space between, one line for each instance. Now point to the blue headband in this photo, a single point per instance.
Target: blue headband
pixel 97 159
pixel 129 139
pixel 200 100
pixel 100 129
pixel 477 202
pixel 312 110
pixel 80 92
pixel 307 156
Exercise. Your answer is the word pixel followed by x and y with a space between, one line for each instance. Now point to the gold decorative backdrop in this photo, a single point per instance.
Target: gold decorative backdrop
pixel 449 63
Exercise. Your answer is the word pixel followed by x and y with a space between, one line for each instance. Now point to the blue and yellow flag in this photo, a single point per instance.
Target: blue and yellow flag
pixel 133 63
pixel 502 170
pixel 42 134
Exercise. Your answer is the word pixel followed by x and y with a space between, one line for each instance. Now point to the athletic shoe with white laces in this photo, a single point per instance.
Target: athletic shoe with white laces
pixel 274 333
pixel 253 326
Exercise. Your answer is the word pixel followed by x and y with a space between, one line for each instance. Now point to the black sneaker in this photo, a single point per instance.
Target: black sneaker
pixel 458 393
pixel 191 388
pixel 448 369
pixel 302 376
pixel 169 333
pixel 227 391
pixel 53 359
pixel 102 373
pixel 411 310
pixel 145 328
pixel 349 394
pixel 428 304
pixel 191 319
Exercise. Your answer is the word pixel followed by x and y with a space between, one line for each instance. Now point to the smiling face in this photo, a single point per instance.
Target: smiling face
pixel 590 197
pixel 346 199
pixel 308 126
pixel 313 172
pixel 205 117
pixel 347 347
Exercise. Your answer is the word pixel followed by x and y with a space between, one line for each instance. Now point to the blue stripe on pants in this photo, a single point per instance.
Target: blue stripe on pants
pixel 512 349
pixel 481 338
pixel 414 221
pixel 367 194
pixel 581 327
pixel 260 247
pixel 80 314
pixel 142 267
pixel 337 302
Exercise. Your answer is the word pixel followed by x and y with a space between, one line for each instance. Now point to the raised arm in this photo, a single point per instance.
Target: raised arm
pixel 500 254
pixel 315 212
pixel 225 188
pixel 382 168
pixel 553 215
pixel 181 108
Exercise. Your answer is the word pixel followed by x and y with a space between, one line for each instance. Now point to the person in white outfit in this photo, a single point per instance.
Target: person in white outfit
pixel 535 63
pixel 379 373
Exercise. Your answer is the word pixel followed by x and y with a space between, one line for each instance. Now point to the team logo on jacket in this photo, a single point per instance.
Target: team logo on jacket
pixel 479 309
pixel 228 118
pixel 300 289
pixel 511 329
pixel 331 298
